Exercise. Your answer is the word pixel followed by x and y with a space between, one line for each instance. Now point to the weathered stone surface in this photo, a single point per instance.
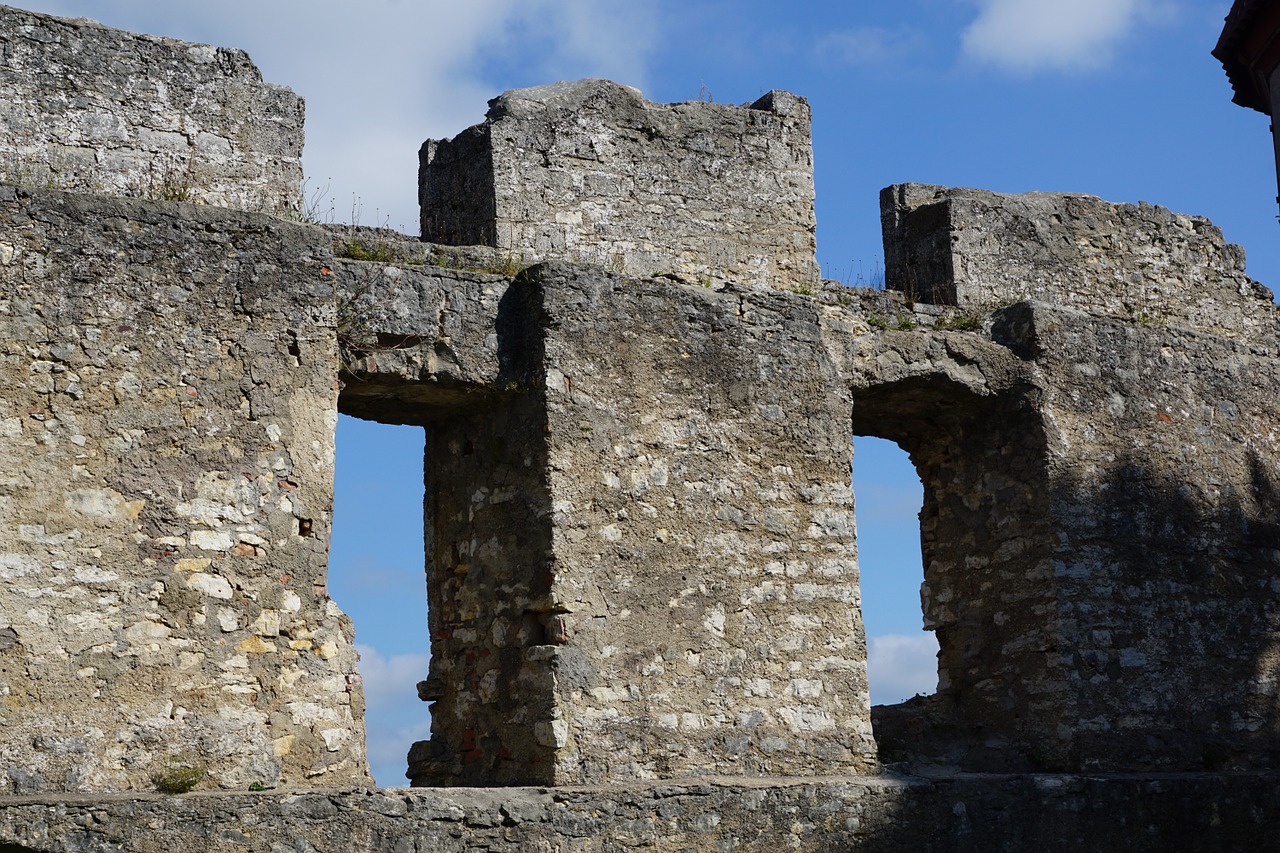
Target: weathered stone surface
pixel 1100 546
pixel 168 413
pixel 676 499
pixel 859 814
pixel 95 109
pixel 590 171
pixel 979 250
pixel 641 555
pixel 641 550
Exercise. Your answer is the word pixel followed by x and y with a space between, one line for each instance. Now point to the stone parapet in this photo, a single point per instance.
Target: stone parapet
pixel 976 249
pixel 94 109
pixel 592 172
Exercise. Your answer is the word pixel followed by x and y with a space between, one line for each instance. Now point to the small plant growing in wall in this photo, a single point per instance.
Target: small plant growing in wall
pixel 179 776
pixel 961 321
pixel 168 180
pixel 375 251
pixel 356 310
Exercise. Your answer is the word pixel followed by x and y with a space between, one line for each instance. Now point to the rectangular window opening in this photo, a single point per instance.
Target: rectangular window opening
pixel 377 577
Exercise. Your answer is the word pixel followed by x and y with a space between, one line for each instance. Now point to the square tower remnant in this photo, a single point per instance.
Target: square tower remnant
pixel 591 171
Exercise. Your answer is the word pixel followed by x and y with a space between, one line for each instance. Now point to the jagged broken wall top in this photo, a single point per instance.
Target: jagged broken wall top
pixel 94 109
pixel 591 171
pixel 977 250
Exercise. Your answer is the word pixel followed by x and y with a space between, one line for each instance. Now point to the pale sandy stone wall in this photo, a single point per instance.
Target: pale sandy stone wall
pixel 95 109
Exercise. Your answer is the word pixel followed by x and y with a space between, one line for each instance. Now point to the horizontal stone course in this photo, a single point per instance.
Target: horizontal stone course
pixel 857 814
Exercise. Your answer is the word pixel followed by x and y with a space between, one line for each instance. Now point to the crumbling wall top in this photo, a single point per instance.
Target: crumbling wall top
pixel 591 171
pixel 978 249
pixel 94 109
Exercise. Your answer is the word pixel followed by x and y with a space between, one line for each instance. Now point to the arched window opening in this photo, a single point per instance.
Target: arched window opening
pixel 376 576
pixel 902 658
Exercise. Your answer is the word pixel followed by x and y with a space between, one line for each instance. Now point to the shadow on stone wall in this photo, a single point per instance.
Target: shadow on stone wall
pixel 1171 602
pixel 1159 652
pixel 983 532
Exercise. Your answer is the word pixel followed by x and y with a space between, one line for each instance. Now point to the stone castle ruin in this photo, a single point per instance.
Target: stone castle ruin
pixel 641 558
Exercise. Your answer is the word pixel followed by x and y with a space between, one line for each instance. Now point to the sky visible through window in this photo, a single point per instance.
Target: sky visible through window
pixel 901 655
pixel 377 576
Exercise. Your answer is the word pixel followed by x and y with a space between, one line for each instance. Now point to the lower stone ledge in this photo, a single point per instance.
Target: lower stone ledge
pixel 938 811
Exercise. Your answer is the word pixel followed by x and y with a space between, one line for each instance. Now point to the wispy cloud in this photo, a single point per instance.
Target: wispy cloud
pixel 901 665
pixel 870 46
pixel 1052 35
pixel 394 715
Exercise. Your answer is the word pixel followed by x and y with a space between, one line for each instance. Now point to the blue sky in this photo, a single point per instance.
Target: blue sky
pixel 1116 98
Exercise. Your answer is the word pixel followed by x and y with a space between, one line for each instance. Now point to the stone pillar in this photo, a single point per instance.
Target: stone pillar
pixel 590 171
pixel 642 559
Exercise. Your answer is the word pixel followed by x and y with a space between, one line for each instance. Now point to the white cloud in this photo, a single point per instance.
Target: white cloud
pixel 1035 35
pixel 390 682
pixel 901 665
pixel 870 45
pixel 394 715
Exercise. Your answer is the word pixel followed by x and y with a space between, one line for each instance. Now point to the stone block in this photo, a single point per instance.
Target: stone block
pixel 590 171
pixel 93 109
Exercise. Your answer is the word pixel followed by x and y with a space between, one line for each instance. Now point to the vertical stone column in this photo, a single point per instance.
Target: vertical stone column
pixel 591 171
pixel 490 611
pixel 703 538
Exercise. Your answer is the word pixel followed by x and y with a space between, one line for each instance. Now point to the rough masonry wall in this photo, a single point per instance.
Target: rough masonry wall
pixel 94 109
pixel 590 171
pixel 1196 813
pixel 1092 551
pixel 963 407
pixel 703 533
pixel 640 539
pixel 1150 588
pixel 1165 490
pixel 165 500
pixel 980 250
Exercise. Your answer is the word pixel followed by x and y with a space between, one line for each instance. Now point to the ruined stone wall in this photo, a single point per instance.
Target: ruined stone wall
pixel 640 540
pixel 1213 813
pixel 979 250
pixel 1142 544
pixel 1165 493
pixel 99 110
pixel 165 500
pixel 590 171
pixel 641 555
